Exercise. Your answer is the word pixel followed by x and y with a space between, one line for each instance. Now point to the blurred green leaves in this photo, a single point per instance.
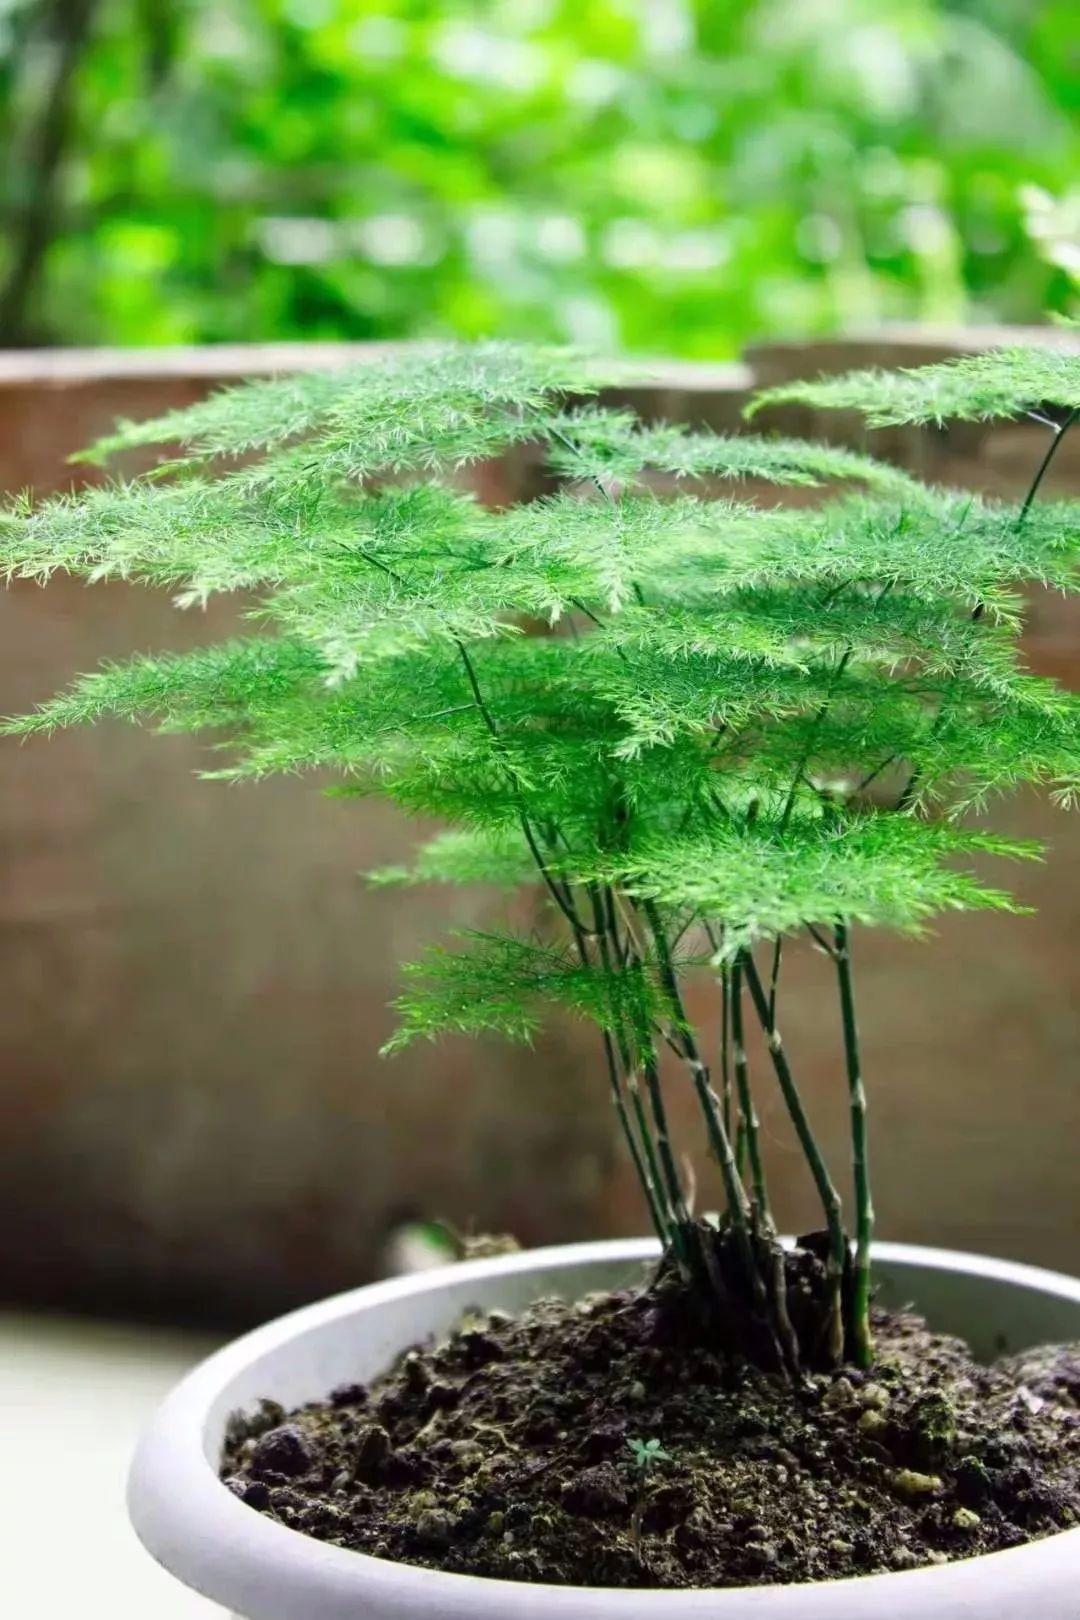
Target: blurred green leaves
pixel 623 173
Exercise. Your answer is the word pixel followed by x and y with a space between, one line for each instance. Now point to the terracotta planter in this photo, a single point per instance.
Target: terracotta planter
pixel 263 1571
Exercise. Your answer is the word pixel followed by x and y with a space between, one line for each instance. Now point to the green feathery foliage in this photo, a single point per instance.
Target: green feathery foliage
pixel 603 445
pixel 974 388
pixel 421 408
pixel 885 870
pixel 464 855
pixel 698 723
pixel 500 983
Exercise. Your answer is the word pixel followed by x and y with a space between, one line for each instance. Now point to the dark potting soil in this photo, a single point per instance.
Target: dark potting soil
pixel 506 1452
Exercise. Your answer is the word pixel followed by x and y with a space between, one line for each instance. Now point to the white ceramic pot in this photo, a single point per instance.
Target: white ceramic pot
pixel 263 1571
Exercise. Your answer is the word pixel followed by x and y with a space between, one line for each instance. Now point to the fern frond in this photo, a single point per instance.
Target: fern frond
pixel 606 444
pixel 200 535
pixel 973 388
pixel 690 550
pixel 495 984
pixel 879 870
pixel 794 625
pixel 387 409
pixel 464 855
pixel 222 686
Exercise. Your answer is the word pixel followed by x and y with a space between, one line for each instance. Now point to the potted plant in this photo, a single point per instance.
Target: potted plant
pixel 700 726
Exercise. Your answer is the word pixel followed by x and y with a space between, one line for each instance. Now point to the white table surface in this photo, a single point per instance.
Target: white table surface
pixel 73 1396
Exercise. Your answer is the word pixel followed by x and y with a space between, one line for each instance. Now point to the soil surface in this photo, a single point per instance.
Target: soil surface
pixel 603 1444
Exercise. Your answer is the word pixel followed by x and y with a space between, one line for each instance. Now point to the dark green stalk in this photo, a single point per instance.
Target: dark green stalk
pixel 864 1209
pixel 1047 461
pixel 815 726
pixel 740 1146
pixel 819 939
pixel 612 921
pixel 774 977
pixel 907 797
pixel 651 1197
pixel 685 1043
pixel 725 1043
pixel 873 775
pixel 828 1194
pixel 751 1125
pixel 748 1140
pixel 648 1171
pixel 560 898
pixel 644 1157
pixel 708 1101
pixel 676 1196
pixel 680 1214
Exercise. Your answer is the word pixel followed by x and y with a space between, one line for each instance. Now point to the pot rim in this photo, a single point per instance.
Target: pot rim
pixel 207 1538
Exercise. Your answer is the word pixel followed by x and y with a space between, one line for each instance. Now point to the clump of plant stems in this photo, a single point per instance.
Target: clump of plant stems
pixel 701 725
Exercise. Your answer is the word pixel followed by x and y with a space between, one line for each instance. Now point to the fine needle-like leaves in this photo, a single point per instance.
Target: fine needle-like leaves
pixel 694 722
pixel 974 388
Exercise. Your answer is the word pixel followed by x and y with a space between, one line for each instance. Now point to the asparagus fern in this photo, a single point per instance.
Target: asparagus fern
pixel 675 712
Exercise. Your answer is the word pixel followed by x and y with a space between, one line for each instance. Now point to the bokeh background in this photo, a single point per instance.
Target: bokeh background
pixel 193 1121
pixel 677 176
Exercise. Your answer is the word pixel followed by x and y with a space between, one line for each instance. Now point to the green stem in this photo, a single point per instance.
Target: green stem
pixel 644 1157
pixel 751 1131
pixel 864 1209
pixel 610 930
pixel 907 797
pixel 1047 460
pixel 561 898
pixel 748 1138
pixel 644 1177
pixel 828 1194
pixel 748 1142
pixel 774 977
pixel 708 1101
pixel 676 1196
pixel 558 893
pixel 648 1172
pixel 811 736
pixel 725 1043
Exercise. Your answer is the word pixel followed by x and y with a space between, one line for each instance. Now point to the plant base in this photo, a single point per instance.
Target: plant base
pixel 507 1453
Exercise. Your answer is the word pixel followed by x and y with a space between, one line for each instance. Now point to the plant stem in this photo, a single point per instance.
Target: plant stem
pixel 666 1221
pixel 709 1103
pixel 725 1043
pixel 774 977
pixel 1047 460
pixel 643 1175
pixel 1059 431
pixel 748 1141
pixel 815 726
pixel 680 1213
pixel 819 940
pixel 864 1209
pixel 561 899
pixel 648 1170
pixel 558 893
pixel 644 1157
pixel 828 1194
pixel 748 1137
pixel 751 1128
